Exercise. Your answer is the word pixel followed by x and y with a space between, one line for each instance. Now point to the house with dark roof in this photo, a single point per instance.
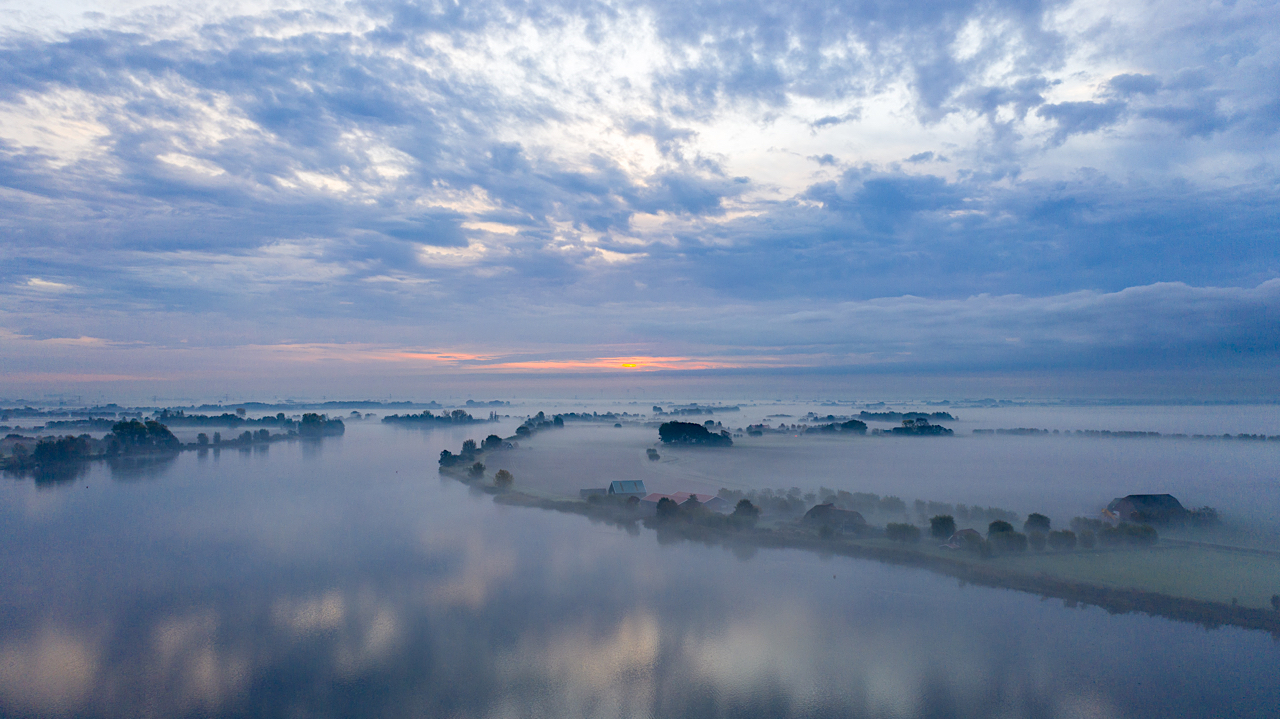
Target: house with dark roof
pixel 1147 509
pixel 957 540
pixel 843 519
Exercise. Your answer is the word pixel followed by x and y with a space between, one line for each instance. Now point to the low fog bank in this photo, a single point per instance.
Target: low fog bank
pixel 1062 477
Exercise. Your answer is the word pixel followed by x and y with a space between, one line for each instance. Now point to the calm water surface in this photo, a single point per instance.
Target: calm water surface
pixel 346 578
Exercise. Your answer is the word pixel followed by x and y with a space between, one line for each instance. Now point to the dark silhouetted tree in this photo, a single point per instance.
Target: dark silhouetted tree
pixel 1036 522
pixel 942 526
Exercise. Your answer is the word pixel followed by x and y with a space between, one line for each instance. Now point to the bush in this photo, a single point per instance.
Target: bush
pixel 942 526
pixel 504 478
pixel 826 532
pixel 476 470
pixel 1087 539
pixel 667 508
pixel 1036 522
pixel 1062 541
pixel 1036 540
pixel 902 532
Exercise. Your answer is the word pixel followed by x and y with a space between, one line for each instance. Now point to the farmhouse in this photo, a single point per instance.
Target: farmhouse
pixel 1147 509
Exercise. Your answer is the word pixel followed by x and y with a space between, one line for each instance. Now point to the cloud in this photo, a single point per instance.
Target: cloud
pixel 381 165
pixel 1075 118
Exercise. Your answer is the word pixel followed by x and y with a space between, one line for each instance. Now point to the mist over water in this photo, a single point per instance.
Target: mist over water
pixel 348 577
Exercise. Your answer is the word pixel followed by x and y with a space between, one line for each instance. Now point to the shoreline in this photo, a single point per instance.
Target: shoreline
pixel 1115 600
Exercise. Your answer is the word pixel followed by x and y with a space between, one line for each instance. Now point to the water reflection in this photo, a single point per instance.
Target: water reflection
pixel 359 583
pixel 48 477
pixel 138 468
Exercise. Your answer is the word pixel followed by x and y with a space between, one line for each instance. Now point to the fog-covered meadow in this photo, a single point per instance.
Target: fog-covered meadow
pixel 1058 475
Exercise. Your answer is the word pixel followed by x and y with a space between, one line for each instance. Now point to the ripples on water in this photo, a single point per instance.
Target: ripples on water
pixel 346 578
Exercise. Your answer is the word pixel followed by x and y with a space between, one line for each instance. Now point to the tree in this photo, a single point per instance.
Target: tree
pixel 942 526
pixel 558 422
pixel 691 433
pixel 504 478
pixel 998 527
pixel 667 508
pixel 1036 540
pixel 476 470
pixel 202 439
pixel 745 514
pixel 492 442
pixel 469 447
pixel 1036 523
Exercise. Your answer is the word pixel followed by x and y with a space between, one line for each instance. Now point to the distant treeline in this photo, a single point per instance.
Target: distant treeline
pixel 899 416
pixel 694 409
pixel 794 501
pixel 427 418
pixel 179 418
pixel 134 437
pixel 1125 434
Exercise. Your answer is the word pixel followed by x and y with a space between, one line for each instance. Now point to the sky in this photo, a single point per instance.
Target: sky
pixel 399 198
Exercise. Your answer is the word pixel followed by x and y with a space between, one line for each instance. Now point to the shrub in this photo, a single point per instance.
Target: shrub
pixel 476 470
pixel 1138 534
pixel 1087 539
pixel 1009 541
pixel 505 478
pixel 1036 540
pixel 1036 522
pixel 667 508
pixel 826 532
pixel 998 527
pixel 1081 524
pixel 902 532
pixel 942 526
pixel 1064 540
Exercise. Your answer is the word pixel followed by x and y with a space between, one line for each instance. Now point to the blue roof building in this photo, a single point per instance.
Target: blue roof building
pixel 628 488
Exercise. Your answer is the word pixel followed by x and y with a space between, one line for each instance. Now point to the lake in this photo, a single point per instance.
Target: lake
pixel 345 577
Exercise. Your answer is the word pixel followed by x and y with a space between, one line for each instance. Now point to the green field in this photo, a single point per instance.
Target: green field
pixel 1187 572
